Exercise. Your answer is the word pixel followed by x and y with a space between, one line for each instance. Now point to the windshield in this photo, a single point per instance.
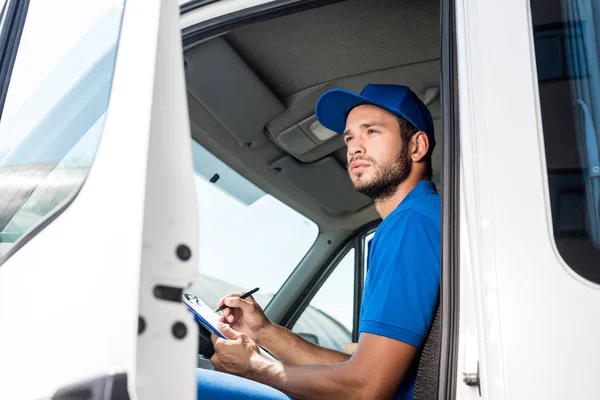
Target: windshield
pixel 54 112
pixel 247 237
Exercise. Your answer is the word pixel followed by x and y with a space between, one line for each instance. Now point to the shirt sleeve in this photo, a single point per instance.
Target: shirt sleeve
pixel 403 279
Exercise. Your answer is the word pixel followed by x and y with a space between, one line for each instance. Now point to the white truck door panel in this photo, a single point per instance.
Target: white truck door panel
pixel 535 319
pixel 75 291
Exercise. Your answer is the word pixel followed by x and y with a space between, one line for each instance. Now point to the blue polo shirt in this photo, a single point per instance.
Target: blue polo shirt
pixel 403 275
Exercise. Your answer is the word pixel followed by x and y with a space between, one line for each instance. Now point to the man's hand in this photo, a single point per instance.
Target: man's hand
pixel 235 355
pixel 244 316
pixel 247 317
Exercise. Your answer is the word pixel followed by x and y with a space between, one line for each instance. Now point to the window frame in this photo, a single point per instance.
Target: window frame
pixel 14 14
pixel 191 5
pixel 355 242
pixel 261 12
pixel 449 297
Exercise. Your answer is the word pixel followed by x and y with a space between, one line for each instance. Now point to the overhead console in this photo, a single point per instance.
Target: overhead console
pixel 298 132
pixel 308 140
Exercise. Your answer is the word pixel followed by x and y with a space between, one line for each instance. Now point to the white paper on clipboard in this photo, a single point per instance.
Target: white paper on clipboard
pixel 208 318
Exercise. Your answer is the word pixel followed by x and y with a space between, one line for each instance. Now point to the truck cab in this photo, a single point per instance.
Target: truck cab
pixel 150 149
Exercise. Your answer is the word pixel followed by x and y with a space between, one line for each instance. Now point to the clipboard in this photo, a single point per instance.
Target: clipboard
pixel 203 314
pixel 209 319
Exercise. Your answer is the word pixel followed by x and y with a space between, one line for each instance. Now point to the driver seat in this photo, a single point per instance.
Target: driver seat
pixel 426 384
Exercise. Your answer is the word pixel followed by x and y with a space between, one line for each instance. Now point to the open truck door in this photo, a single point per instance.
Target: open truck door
pixel 529 116
pixel 98 217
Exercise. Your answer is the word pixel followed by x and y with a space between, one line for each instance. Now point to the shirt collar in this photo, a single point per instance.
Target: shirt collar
pixel 422 188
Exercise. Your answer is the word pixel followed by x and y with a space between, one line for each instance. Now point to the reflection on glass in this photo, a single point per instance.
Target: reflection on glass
pixel 567 46
pixel 49 134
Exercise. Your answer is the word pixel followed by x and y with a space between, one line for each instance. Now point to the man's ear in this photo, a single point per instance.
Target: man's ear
pixel 420 146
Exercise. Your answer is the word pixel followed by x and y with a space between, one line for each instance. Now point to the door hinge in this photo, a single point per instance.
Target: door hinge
pixel 472 379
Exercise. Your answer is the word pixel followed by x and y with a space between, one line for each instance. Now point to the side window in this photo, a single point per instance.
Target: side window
pixel 55 106
pixel 367 245
pixel 328 319
pixel 567 46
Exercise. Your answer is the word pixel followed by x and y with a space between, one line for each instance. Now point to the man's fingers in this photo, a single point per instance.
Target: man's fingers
pixel 222 301
pixel 228 318
pixel 226 312
pixel 214 338
pixel 236 302
pixel 228 331
pixel 214 360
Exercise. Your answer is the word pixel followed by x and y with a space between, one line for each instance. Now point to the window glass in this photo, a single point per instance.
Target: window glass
pixel 567 46
pixel 2 13
pixel 247 238
pixel 55 108
pixel 368 240
pixel 327 321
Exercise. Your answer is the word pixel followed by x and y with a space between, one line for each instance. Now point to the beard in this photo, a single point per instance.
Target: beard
pixel 387 177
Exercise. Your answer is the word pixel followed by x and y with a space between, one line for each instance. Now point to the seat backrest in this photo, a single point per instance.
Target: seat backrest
pixel 426 385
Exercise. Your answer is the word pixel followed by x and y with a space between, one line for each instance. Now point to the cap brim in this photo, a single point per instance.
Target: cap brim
pixel 334 105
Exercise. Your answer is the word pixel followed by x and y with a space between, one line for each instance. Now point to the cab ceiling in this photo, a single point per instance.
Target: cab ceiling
pixel 252 92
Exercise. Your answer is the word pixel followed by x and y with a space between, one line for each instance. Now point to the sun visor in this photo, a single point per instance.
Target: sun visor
pixel 325 181
pixel 215 171
pixel 224 84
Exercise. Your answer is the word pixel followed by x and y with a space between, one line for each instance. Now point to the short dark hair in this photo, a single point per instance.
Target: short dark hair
pixel 407 131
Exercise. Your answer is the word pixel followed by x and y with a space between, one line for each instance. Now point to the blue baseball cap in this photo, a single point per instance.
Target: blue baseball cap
pixel 334 105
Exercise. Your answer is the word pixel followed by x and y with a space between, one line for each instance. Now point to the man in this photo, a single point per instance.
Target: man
pixel 388 132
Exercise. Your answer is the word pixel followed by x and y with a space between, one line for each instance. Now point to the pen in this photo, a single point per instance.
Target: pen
pixel 241 297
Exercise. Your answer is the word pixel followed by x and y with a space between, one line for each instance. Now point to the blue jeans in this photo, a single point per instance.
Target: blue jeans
pixel 214 385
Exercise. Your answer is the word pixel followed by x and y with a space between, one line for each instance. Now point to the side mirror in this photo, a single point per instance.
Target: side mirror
pixel 311 337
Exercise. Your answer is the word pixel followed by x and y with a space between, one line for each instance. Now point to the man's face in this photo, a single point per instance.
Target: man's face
pixel 378 161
